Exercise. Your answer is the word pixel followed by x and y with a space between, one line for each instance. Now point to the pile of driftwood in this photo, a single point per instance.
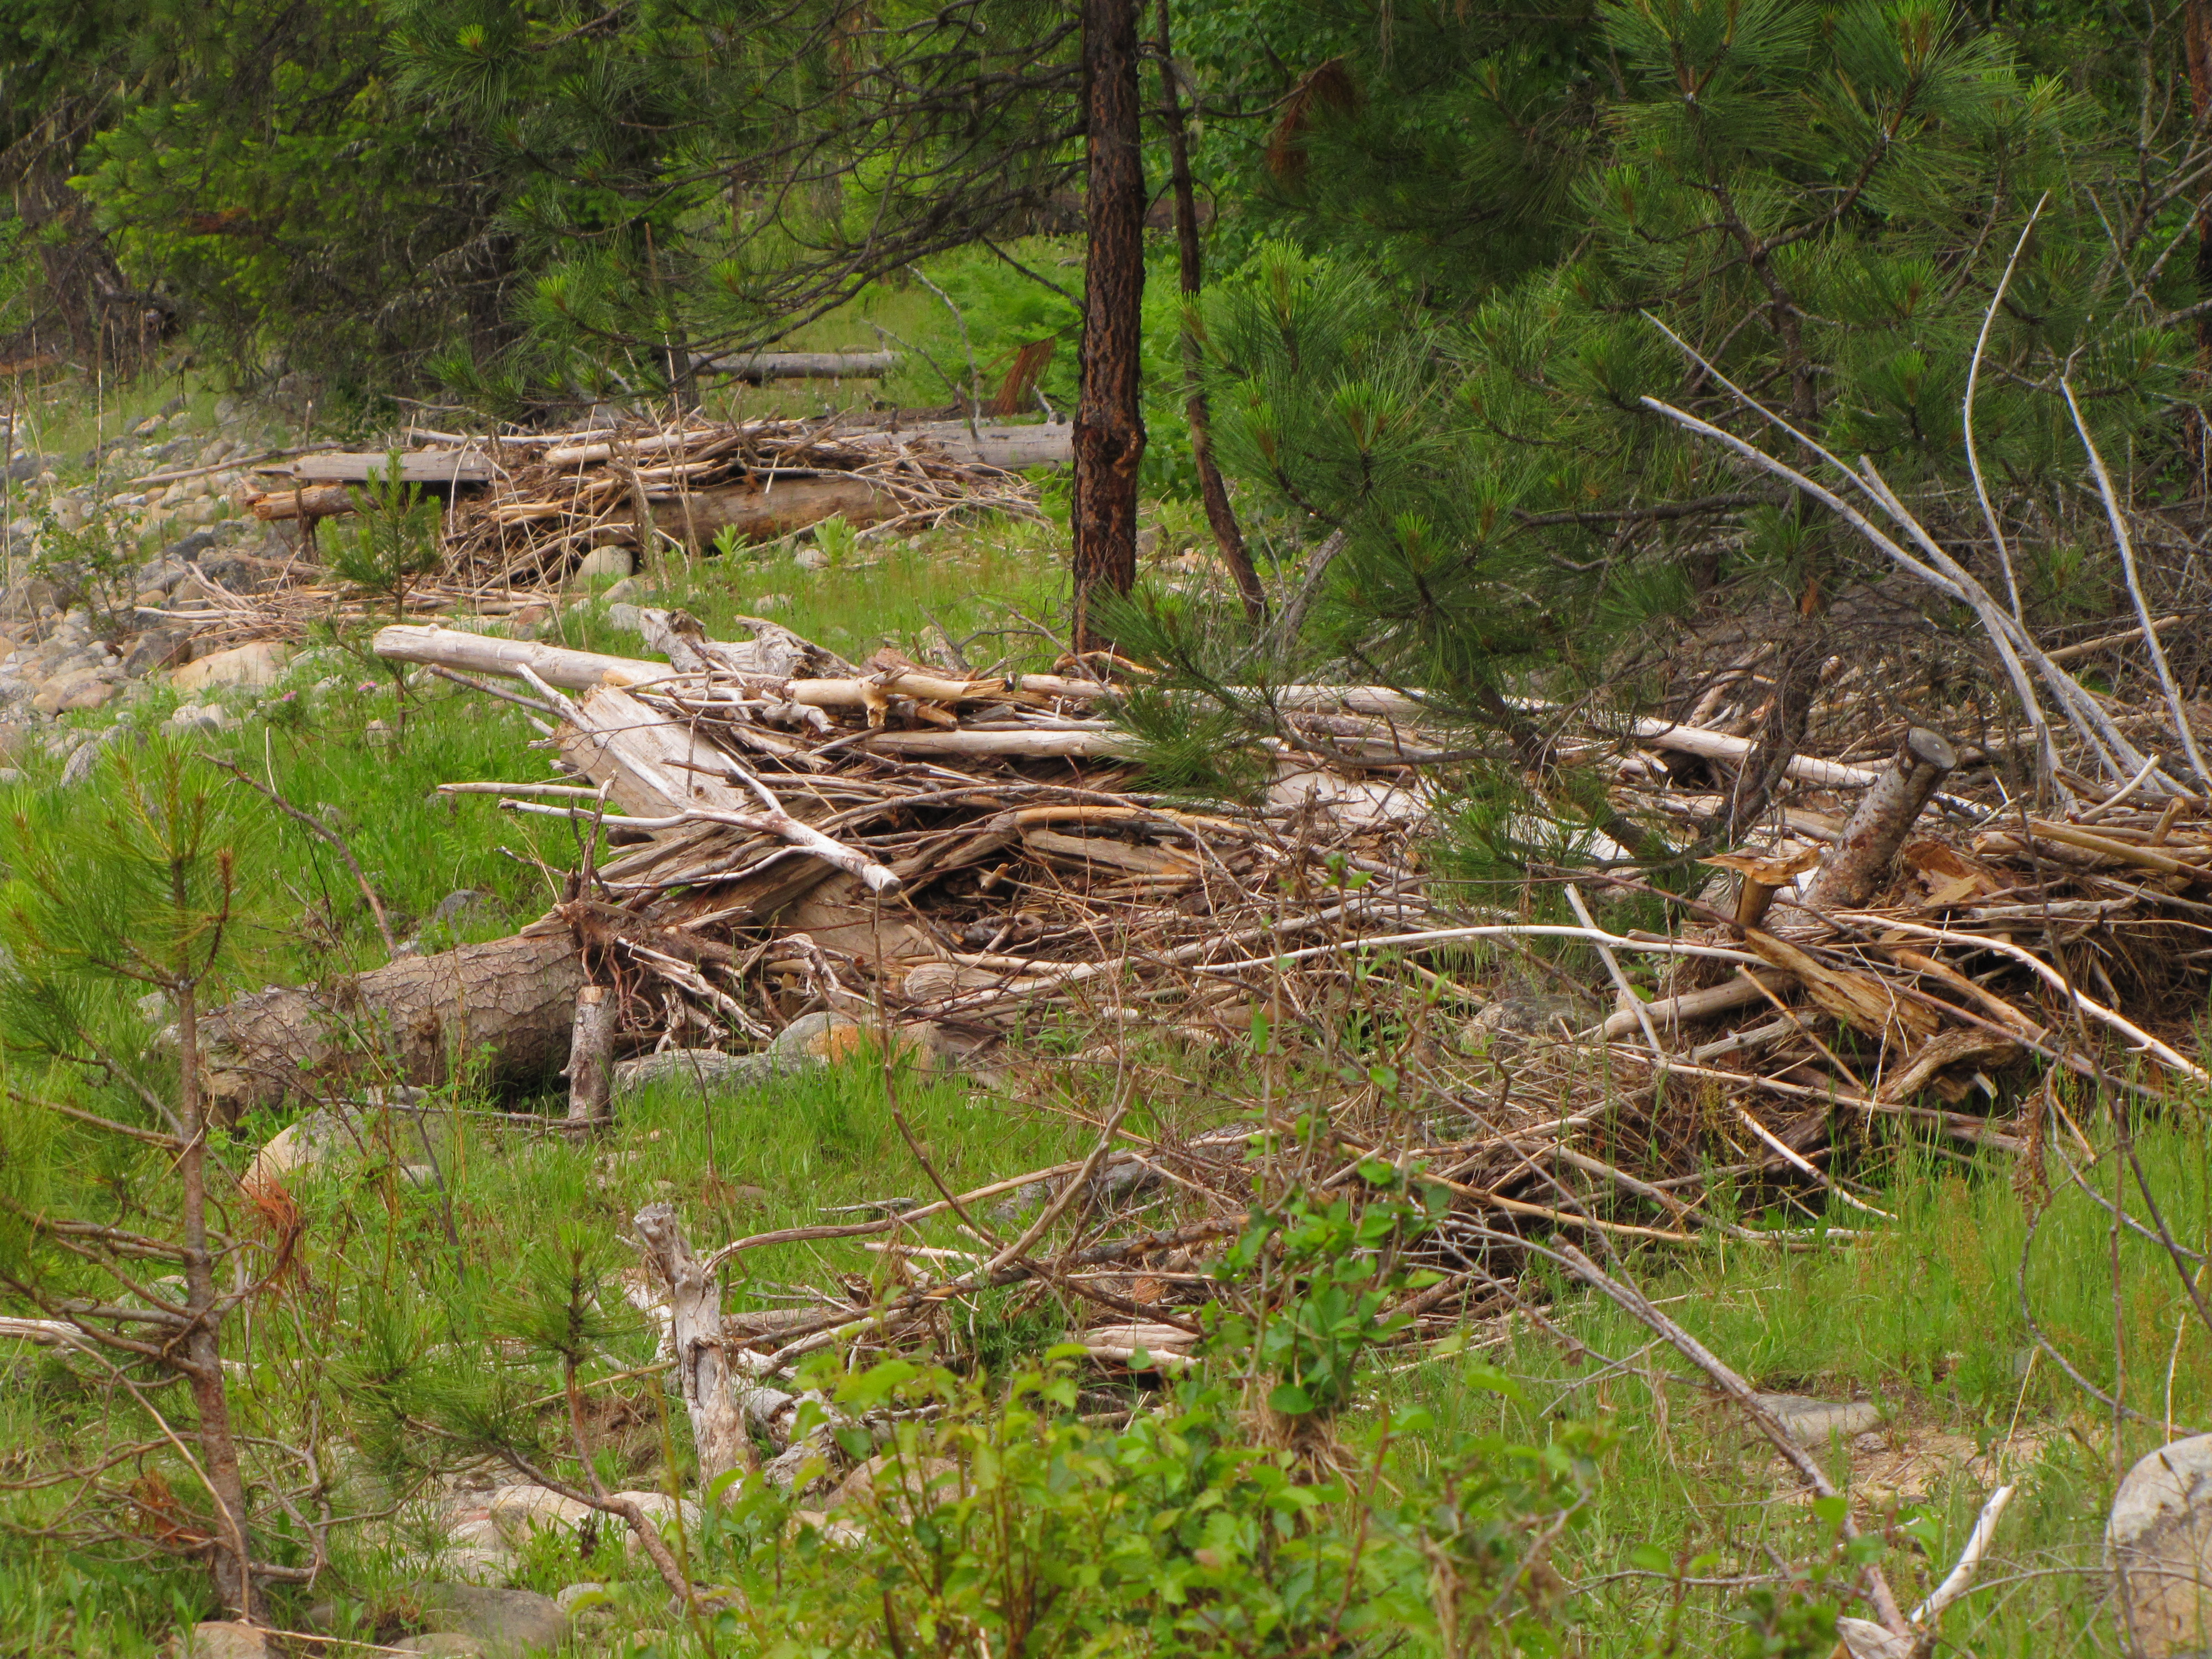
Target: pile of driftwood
pixel 766 831
pixel 523 511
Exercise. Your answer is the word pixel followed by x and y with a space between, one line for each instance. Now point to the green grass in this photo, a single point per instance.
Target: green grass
pixel 1922 1317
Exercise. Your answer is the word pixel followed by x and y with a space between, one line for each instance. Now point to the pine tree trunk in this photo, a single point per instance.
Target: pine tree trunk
pixel 2197 48
pixel 230 1560
pixel 1220 516
pixel 1110 427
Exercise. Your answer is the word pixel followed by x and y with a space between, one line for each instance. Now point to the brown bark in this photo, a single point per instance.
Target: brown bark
pixel 1883 818
pixel 231 1556
pixel 2197 48
pixel 591 1057
pixel 695 1311
pixel 415 1019
pixel 1110 427
pixel 1797 679
pixel 1213 490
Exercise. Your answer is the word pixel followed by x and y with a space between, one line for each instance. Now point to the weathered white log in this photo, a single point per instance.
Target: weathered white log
pixel 757 366
pixel 420 466
pixel 1881 822
pixel 606 449
pixel 694 1309
pixel 480 653
pixel 1720 745
pixel 656 767
pixel 580 671
pixel 51 1331
pixel 592 1056
pixel 1103 744
pixel 1738 992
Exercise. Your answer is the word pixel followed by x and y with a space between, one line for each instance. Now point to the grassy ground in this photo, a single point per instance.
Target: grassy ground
pixel 1920 1314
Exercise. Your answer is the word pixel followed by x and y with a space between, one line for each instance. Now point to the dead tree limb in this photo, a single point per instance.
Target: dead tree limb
pixel 695 1308
pixel 1881 822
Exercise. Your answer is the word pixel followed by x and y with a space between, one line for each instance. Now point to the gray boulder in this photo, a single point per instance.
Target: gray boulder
pixel 2160 1542
pixel 709 1070
pixel 1810 1422
pixel 225 1639
pixel 511 1624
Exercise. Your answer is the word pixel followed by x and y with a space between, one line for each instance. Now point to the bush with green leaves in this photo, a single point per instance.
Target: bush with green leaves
pixel 998 1519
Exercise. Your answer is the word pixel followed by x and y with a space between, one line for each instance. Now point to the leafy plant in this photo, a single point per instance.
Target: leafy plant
pixel 94 564
pixel 996 1520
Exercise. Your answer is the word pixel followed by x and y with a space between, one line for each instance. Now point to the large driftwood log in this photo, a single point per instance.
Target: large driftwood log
pixel 579 670
pixel 1879 824
pixel 414 1020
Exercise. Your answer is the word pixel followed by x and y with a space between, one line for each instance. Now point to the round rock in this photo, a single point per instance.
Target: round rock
pixel 2159 1541
pixel 225 1639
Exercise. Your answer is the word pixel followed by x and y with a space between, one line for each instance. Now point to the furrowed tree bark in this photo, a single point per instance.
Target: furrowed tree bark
pixel 694 1309
pixel 1883 818
pixel 591 1057
pixel 2197 51
pixel 1110 427
pixel 1213 490
pixel 418 1018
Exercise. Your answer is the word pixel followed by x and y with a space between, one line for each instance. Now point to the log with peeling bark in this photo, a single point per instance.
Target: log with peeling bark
pixel 325 501
pixel 1879 824
pixel 415 1020
pixel 592 1056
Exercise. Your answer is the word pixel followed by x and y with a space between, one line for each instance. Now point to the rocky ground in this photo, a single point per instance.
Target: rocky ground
pixel 106 583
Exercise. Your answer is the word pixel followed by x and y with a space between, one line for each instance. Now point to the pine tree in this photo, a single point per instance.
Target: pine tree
pixel 1819 202
pixel 133 891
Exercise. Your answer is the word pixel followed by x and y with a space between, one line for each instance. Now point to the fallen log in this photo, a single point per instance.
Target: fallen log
pixel 756 368
pixel 414 1021
pixel 761 512
pixel 580 671
pixel 420 466
pixel 325 501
